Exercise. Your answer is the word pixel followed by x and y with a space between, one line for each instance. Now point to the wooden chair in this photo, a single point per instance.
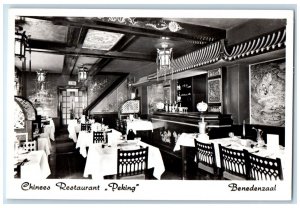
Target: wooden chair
pixel 98 137
pixel 132 164
pixel 118 125
pixel 123 126
pixel 85 127
pixel 28 146
pixel 206 159
pixel 233 163
pixel 262 168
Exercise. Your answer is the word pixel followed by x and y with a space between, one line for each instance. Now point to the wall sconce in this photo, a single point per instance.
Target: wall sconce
pixel 21 43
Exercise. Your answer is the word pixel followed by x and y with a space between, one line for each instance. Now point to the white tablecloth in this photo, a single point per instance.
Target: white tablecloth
pixel 103 161
pixel 44 144
pixel 50 130
pixel 37 167
pixel 139 125
pixel 187 140
pixel 73 128
pixel 85 139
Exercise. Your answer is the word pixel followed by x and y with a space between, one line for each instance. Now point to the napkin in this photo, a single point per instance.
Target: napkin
pixel 272 142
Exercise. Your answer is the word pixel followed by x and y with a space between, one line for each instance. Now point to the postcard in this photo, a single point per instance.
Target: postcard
pixel 198 104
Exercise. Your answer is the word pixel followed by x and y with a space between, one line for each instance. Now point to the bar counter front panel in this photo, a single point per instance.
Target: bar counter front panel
pixel 168 126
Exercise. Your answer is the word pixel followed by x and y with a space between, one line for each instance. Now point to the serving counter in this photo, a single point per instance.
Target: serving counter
pixel 167 127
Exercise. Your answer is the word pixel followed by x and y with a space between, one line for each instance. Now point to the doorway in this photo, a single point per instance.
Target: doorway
pixel 72 102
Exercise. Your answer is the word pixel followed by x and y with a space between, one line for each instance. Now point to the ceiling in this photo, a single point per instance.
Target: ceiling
pixel 113 45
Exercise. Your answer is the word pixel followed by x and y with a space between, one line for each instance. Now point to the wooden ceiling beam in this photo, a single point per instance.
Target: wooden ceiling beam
pixel 63 49
pixel 72 41
pixel 120 46
pixel 189 32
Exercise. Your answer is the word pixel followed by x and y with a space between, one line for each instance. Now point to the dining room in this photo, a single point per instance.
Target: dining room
pixel 152 98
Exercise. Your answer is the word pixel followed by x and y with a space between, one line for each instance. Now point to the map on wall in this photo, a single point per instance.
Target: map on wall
pixel 267 93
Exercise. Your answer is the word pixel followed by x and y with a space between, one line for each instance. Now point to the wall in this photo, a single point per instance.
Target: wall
pixel 95 86
pixel 236 92
pixel 113 101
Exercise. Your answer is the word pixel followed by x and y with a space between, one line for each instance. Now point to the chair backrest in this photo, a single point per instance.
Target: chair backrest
pixel 85 127
pixel 98 137
pixel 132 162
pixel 205 154
pixel 118 124
pixel 28 146
pixel 262 168
pixel 233 163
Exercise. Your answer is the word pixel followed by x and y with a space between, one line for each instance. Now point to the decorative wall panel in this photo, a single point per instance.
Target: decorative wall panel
pixel 267 93
pixel 19 117
pixel 97 85
pixel 214 90
pixel 27 107
pixel 219 51
pixel 113 101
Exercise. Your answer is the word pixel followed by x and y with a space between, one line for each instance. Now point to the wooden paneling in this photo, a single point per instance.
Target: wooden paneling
pixel 199 90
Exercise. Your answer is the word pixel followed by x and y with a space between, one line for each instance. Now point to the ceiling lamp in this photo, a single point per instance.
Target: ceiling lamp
pixel 82 74
pixel 21 43
pixel 164 58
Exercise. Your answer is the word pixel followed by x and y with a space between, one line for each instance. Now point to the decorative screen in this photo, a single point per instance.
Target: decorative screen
pixel 131 106
pixel 19 121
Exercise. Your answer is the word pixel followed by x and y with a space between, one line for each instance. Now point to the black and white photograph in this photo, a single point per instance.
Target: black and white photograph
pixel 150 104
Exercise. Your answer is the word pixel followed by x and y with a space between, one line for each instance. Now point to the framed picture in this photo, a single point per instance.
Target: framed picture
pixel 214 90
pixel 267 93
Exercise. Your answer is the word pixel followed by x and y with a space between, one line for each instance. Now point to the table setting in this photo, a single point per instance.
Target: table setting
pixel 33 165
pixel 271 149
pixel 138 125
pixel 105 156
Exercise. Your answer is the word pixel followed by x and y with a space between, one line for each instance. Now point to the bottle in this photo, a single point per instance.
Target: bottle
pixel 244 130
pixel 166 107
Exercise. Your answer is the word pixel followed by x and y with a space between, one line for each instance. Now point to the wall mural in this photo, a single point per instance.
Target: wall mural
pixel 113 101
pixel 45 101
pixel 97 85
pixel 267 93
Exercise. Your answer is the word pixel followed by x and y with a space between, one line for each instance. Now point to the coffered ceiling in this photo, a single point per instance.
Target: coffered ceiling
pixel 113 44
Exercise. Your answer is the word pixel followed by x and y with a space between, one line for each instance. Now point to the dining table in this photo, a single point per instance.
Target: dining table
pixel 138 125
pixel 73 129
pixel 235 142
pixel 44 143
pixel 35 165
pixel 85 139
pixel 49 129
pixel 102 160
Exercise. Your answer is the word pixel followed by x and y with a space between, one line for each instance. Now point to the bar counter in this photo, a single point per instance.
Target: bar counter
pixel 167 127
